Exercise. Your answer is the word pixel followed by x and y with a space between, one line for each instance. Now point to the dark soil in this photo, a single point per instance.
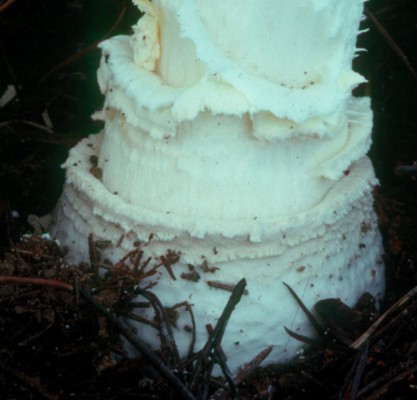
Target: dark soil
pixel 56 342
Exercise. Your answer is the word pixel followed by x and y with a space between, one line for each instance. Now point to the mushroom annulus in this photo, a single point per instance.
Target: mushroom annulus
pixel 232 139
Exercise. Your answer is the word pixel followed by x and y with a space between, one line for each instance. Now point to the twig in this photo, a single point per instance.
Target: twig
pixel 142 347
pixel 142 320
pixel 194 328
pixel 36 281
pixel 317 327
pixel 221 359
pixel 121 263
pixel 390 41
pixel 82 53
pixel 204 362
pixel 6 4
pixel 168 344
pixel 399 322
pixel 169 259
pixel 305 339
pixel 369 332
pixel 320 343
pixel 29 123
pixel 351 388
pixel 223 286
pixel 406 170
pixel 37 335
pixel 94 255
pixel 390 378
pixel 251 365
pixel 27 380
pixel 189 309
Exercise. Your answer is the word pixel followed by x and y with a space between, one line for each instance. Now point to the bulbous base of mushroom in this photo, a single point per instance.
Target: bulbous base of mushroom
pixel 331 250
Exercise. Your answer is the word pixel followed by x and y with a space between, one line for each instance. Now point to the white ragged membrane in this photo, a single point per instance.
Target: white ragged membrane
pixel 332 250
pixel 239 147
pixel 293 59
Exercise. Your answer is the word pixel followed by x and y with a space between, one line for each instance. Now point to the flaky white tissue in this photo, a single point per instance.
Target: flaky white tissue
pixel 231 137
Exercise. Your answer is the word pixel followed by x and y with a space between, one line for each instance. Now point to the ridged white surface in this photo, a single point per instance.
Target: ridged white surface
pixel 240 145
pixel 331 250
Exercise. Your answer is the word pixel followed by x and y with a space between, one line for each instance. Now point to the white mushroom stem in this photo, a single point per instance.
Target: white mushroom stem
pixel 231 137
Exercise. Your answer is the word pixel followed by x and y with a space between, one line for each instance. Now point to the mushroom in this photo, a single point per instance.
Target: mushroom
pixel 232 139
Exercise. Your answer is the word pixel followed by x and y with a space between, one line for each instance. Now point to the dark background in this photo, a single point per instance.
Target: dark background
pixel 47 51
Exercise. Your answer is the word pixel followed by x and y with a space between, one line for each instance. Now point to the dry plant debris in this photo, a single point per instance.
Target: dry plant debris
pixel 57 316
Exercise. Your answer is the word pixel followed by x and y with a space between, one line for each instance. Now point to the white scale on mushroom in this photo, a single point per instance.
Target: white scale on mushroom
pixel 232 138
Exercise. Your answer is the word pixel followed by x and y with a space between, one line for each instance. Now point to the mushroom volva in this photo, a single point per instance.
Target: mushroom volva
pixel 232 140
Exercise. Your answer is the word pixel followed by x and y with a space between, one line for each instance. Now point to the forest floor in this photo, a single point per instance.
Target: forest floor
pixel 57 342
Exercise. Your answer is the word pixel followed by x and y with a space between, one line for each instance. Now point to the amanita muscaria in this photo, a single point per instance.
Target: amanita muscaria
pixel 232 138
